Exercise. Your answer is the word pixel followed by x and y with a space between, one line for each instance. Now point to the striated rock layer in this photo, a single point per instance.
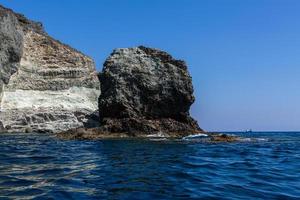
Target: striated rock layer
pixel 45 86
pixel 144 92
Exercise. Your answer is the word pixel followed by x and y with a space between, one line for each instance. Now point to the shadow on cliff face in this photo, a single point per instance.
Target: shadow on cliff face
pixel 92 120
pixel 12 29
pixel 11 38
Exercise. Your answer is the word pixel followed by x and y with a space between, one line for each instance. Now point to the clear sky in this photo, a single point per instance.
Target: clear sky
pixel 243 55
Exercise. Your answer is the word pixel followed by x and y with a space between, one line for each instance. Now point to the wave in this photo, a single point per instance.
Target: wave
pixel 200 135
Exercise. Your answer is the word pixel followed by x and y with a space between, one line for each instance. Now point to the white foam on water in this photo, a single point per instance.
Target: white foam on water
pixel 157 135
pixel 262 139
pixel 246 139
pixel 158 139
pixel 253 139
pixel 200 135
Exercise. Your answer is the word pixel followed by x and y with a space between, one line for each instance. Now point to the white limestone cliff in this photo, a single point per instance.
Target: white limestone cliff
pixel 49 86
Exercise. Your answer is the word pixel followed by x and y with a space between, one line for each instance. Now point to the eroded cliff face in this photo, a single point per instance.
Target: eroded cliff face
pixel 46 86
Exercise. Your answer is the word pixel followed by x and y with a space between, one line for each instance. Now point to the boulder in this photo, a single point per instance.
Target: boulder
pixel 146 90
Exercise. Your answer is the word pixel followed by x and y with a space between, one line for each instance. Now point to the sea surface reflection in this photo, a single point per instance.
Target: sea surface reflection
pixel 44 167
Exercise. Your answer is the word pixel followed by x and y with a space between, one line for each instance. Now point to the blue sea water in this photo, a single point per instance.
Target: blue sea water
pixel 44 167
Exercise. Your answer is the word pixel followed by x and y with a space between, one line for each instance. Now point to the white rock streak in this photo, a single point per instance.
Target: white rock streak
pixel 55 88
pixel 72 99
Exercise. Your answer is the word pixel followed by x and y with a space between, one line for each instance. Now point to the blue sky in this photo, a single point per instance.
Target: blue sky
pixel 243 55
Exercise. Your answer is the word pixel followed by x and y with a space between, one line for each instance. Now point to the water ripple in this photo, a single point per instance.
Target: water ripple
pixel 43 167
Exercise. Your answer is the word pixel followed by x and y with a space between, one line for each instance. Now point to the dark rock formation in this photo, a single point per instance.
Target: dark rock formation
pixel 11 37
pixel 12 28
pixel 144 92
pixel 47 86
pixel 221 137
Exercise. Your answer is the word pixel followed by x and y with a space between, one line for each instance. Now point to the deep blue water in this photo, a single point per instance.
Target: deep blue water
pixel 43 167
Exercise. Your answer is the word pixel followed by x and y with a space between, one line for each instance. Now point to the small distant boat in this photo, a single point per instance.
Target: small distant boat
pixel 249 131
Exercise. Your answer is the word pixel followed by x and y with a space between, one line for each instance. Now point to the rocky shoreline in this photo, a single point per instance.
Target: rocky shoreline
pixel 98 134
pixel 49 87
pixel 144 91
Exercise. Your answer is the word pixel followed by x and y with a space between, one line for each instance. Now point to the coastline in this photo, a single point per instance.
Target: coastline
pixel 96 134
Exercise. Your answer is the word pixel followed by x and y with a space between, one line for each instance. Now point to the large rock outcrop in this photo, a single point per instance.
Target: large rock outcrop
pixel 144 92
pixel 46 86
pixel 146 89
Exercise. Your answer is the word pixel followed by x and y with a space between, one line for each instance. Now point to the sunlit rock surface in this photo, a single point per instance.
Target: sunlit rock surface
pixel 46 86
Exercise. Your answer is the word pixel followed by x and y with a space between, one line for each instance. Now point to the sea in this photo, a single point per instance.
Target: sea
pixel 264 165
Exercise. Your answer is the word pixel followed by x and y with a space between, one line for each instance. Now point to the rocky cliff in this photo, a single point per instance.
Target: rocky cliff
pixel 145 92
pixel 45 86
pixel 145 89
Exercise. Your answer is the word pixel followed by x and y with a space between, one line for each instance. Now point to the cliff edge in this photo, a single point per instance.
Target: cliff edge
pixel 45 85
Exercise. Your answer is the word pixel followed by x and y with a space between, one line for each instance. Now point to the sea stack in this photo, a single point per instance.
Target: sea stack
pixel 45 86
pixel 145 92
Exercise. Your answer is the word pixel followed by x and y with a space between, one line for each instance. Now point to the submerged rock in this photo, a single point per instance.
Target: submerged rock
pixel 221 137
pixel 144 91
pixel 45 86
